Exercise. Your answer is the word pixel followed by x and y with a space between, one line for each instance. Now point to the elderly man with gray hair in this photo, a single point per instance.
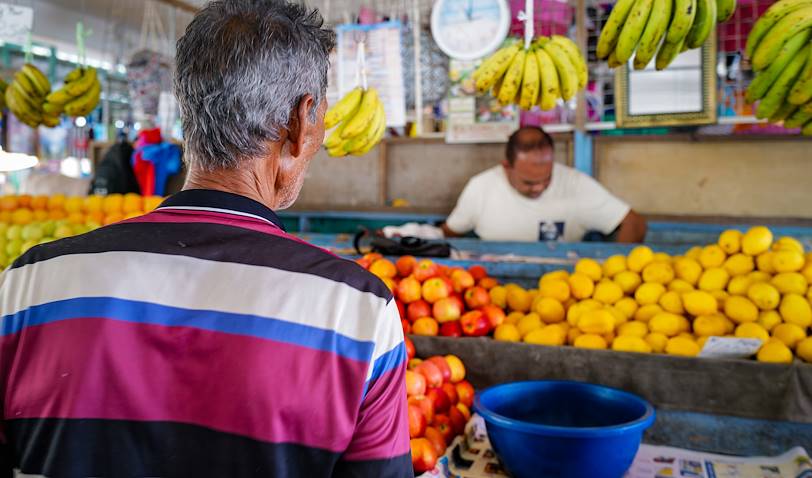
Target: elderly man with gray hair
pixel 201 340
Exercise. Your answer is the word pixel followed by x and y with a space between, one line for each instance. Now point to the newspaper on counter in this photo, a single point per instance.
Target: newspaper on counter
pixel 471 456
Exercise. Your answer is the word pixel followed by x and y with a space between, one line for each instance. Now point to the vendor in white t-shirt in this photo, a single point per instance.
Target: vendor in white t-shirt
pixel 531 198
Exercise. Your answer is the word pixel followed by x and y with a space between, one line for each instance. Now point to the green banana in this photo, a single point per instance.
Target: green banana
pixel 765 22
pixel 494 68
pixel 24 98
pixel 341 110
pixel 775 97
pixel 799 118
pixel 764 79
pixel 784 29
pixel 611 29
pixel 683 19
pixel 653 34
pixel 704 23
pixel 783 112
pixel 40 81
pixel 807 107
pixel 85 103
pixel 807 129
pixel 667 53
pixel 633 30
pixel 3 85
pixel 52 108
pixel 801 91
pixel 59 97
pixel 567 75
pixel 84 83
pixel 725 10
pixel 550 91
pixel 366 111
pixel 576 57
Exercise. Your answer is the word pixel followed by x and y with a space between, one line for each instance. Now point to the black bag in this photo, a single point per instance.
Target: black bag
pixel 404 246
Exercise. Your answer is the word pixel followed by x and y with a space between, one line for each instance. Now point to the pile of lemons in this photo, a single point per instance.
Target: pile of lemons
pixel 747 285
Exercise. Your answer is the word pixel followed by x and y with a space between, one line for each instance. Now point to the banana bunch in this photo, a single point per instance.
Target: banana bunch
pixel 359 121
pixel 3 86
pixel 26 95
pixel 552 68
pixel 780 50
pixel 665 28
pixel 78 96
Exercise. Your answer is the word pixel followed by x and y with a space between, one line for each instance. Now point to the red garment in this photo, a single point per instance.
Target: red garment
pixel 145 170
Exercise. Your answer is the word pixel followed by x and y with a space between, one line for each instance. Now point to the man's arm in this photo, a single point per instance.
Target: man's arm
pixel 632 229
pixel 463 218
pixel 448 232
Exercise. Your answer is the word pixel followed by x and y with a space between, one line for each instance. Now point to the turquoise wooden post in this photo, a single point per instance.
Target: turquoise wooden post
pixel 582 152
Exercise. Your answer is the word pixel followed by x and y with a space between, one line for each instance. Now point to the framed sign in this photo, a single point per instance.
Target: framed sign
pixel 15 23
pixel 682 94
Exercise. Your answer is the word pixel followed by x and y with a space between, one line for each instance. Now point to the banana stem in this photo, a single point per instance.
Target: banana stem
pixel 526 17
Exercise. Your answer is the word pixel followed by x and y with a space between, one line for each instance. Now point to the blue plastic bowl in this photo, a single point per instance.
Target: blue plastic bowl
pixel 564 429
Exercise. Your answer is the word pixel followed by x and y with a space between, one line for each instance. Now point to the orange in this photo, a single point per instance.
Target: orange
pixel 56 214
pixel 96 217
pixel 40 215
pixel 5 216
pixel 24 200
pixel 22 216
pixel 39 202
pixel 132 203
pixel 8 203
pixel 112 218
pixel 112 203
pixel 152 202
pixel 73 205
pixel 76 218
pixel 56 202
pixel 93 203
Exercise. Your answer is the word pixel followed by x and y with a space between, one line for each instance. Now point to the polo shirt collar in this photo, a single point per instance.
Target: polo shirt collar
pixel 221 200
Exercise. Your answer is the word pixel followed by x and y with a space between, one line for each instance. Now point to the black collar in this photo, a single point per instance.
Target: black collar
pixel 209 198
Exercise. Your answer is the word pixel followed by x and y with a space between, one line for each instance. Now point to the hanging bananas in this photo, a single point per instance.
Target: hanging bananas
pixel 659 28
pixel 551 68
pixel 780 49
pixel 26 95
pixel 359 120
pixel 79 96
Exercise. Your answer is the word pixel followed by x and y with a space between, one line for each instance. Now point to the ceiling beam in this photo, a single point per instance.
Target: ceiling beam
pixel 181 5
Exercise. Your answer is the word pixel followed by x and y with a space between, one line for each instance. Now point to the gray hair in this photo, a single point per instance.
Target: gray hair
pixel 242 66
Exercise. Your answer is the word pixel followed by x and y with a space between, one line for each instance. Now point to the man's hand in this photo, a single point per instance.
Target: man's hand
pixel 632 229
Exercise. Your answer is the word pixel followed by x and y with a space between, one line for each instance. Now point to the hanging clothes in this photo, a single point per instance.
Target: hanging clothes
pixel 154 162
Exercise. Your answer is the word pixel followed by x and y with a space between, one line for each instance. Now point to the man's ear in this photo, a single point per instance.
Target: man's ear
pixel 301 125
pixel 506 164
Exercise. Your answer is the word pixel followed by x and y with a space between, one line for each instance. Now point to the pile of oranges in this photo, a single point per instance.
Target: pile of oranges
pixel 90 210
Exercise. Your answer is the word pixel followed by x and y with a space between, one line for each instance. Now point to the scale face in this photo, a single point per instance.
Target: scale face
pixel 469 29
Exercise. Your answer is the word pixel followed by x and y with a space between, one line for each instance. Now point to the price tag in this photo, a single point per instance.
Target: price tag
pixel 15 23
pixel 728 347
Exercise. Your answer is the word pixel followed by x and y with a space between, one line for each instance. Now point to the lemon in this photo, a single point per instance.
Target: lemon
pixel 774 352
pixel 498 296
pixel 533 293
pixel 759 276
pixel 619 316
pixel 713 279
pixel 739 264
pixel 710 325
pixel 661 257
pixel 649 293
pixel 699 303
pixel 639 257
pixel 628 281
pixel 646 312
pixel 590 341
pixel 701 341
pixel 688 270
pixel 769 319
pixel 507 333
pixel 549 335
pixel 721 297
pixel 789 244
pixel 765 296
pixel 573 334
pixel 679 285
pixel 576 310
pixel 739 285
pixel 608 292
pixel 557 289
pixel 590 268
pixel 731 241
pixel 518 299
pixel 712 256
pixel 559 274
pixel 787 260
pixel 528 323
pixel 809 294
pixel 597 321
pixel 659 272
pixel 671 301
pixel 656 341
pixel 790 334
pixel 807 271
pixel 751 330
pixel 804 349
pixel 764 262
pixel 790 283
pixel 630 343
pixel 614 265
pixel 756 240
pixel 633 328
pixel 682 346
pixel 668 324
pixel 609 338
pixel 794 309
pixel 628 306
pixel 549 310
pixel 581 286
pixel 693 253
pixel 741 309
pixel 513 318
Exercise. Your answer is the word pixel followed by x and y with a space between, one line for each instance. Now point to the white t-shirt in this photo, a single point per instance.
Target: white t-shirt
pixel 572 204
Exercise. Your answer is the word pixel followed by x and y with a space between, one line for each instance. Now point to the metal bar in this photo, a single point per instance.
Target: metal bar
pixel 581 40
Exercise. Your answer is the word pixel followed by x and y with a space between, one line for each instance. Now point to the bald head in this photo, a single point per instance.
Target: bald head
pixel 528 139
pixel 529 162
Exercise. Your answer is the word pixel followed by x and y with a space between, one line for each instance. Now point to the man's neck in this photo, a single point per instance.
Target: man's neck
pixel 244 181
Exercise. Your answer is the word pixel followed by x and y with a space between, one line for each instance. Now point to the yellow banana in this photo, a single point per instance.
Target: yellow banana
pixel 59 97
pixel 342 109
pixel 784 29
pixel 799 118
pixel 681 22
pixel 20 109
pixel 764 79
pixel 550 91
pixel 611 29
pixel 50 121
pixel 52 108
pixel 26 84
pixel 725 10
pixel 782 113
pixel 633 30
pixel 775 97
pixel 612 61
pixel 337 151
pixel 24 98
pixel 567 76
pixel 375 140
pixel 84 83
pixel 768 19
pixel 667 53
pixel 360 142
pixel 497 87
pixel 74 75
pixel 530 82
pixel 704 23
pixel 40 81
pixel 494 67
pixel 512 79
pixel 653 34
pixel 576 57
pixel 334 140
pixel 85 103
pixel 807 107
pixel 807 129
pixel 360 120
pixel 801 91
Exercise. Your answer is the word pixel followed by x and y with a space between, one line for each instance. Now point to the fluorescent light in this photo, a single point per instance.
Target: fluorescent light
pixel 40 51
pixel 16 161
pixel 80 122
pixel 119 124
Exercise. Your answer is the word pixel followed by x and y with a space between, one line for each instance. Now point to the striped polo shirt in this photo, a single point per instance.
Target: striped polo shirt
pixel 199 340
